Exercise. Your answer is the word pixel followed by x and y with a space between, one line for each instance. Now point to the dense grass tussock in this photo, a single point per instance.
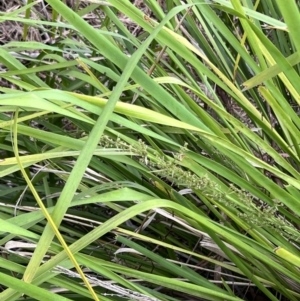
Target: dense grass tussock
pixel 150 150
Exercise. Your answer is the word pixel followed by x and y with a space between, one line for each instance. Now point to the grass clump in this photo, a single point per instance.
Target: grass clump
pixel 150 151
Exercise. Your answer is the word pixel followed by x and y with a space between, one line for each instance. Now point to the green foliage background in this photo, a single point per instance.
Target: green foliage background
pixel 153 161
